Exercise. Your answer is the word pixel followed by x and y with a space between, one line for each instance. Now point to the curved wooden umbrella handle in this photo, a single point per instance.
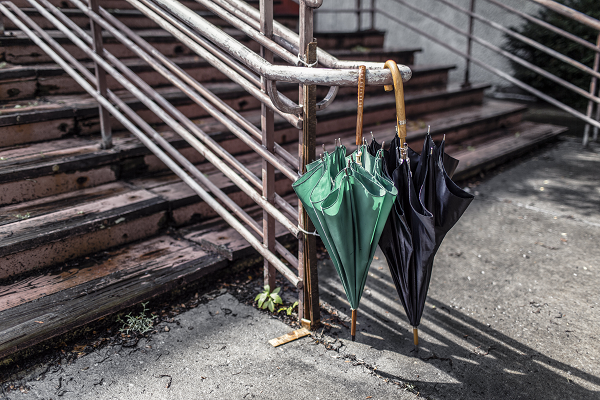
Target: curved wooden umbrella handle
pixel 362 71
pixel 399 93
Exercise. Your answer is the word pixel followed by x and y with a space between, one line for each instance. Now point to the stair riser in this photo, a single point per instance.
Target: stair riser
pixel 29 88
pixel 44 186
pixel 198 210
pixel 27 53
pixel 406 58
pixel 80 245
pixel 364 39
pixel 432 81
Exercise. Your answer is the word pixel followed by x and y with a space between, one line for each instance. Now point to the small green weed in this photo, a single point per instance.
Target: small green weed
pixel 268 299
pixel 24 216
pixel 289 309
pixel 136 324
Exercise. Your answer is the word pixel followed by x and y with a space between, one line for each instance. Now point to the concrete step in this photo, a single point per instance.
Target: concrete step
pixel 486 152
pixel 61 116
pixel 26 82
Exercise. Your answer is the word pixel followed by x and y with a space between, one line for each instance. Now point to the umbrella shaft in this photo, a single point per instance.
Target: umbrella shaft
pixel 353 329
pixel 416 335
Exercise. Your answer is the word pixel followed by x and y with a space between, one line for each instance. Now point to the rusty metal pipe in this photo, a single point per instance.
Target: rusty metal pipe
pixel 250 31
pixel 323 57
pixel 310 76
pixel 236 209
pixel 249 141
pixel 206 50
pixel 154 148
pixel 192 140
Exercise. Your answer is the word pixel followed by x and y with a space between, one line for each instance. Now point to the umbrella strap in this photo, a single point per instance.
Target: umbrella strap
pixel 307 232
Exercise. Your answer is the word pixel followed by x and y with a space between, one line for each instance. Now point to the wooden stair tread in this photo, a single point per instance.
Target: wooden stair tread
pixel 97 287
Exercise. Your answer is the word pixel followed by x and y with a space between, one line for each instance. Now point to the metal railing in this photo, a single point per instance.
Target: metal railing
pixel 255 73
pixel 591 119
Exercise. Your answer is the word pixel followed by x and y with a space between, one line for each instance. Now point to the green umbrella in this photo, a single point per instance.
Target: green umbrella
pixel 348 202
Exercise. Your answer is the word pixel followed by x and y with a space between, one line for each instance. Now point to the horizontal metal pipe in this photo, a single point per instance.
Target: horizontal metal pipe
pixel 570 13
pixel 344 10
pixel 215 100
pixel 192 140
pixel 525 39
pixel 243 136
pixel 496 49
pixel 496 71
pixel 155 149
pixel 195 43
pixel 250 31
pixel 308 76
pixel 546 25
pixel 323 57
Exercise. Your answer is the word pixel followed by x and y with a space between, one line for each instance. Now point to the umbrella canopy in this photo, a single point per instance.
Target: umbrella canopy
pixel 348 202
pixel 428 205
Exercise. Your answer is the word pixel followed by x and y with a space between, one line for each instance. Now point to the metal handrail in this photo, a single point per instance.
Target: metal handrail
pixel 376 75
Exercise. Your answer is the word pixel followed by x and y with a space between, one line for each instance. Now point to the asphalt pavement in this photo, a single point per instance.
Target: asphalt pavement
pixel 512 313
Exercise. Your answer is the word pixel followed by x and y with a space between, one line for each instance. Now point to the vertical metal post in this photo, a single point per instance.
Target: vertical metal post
pixel 358 22
pixel 311 312
pixel 372 14
pixel 467 80
pixel 593 90
pixel 308 298
pixel 268 140
pixel 105 128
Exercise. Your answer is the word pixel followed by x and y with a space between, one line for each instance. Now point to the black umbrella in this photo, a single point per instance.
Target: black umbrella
pixel 428 205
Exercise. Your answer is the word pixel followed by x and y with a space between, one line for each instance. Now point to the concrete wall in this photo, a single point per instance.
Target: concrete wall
pixel 399 36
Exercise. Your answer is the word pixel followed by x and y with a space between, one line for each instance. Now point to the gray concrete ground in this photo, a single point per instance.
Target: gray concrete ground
pixel 512 313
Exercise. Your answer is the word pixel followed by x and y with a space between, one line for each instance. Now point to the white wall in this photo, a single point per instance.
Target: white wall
pixel 398 36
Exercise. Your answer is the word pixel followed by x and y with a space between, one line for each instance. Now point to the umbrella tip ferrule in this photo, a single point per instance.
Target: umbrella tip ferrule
pixel 428 129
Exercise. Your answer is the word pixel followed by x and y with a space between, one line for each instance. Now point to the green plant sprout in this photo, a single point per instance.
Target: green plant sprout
pixel 289 309
pixel 136 324
pixel 268 299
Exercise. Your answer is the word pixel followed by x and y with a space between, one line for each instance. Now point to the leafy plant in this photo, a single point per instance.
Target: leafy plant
pixel 289 309
pixel 560 44
pixel 136 323
pixel 268 299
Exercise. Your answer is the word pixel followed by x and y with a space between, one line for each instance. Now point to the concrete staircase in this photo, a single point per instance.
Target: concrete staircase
pixel 86 232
